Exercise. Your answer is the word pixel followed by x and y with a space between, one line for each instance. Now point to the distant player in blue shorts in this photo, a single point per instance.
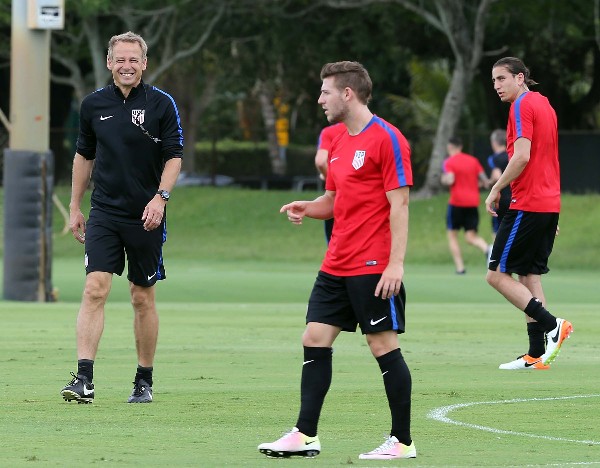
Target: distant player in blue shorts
pixel 464 175
pixel 497 163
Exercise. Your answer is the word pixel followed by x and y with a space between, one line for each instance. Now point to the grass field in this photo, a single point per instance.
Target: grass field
pixel 233 224
pixel 228 364
pixel 229 355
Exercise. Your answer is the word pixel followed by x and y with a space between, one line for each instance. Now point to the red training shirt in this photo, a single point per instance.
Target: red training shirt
pixel 464 192
pixel 537 188
pixel 328 134
pixel 362 168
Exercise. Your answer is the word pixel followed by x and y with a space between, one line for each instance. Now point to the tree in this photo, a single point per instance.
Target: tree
pixel 170 33
pixel 273 56
pixel 175 33
pixel 556 40
pixel 463 24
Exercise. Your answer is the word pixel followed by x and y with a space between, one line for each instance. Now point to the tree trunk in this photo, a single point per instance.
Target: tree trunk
pixel 465 37
pixel 449 117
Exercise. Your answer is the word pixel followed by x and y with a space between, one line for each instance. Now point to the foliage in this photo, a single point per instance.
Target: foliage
pixel 556 41
pixel 5 18
pixel 285 43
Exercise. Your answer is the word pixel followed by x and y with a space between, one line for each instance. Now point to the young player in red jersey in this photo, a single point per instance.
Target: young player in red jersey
pixel 526 235
pixel 360 281
pixel 464 175
pixel 326 139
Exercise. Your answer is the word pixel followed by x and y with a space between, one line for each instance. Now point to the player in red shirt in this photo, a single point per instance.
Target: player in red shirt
pixel 526 235
pixel 360 281
pixel 326 138
pixel 464 175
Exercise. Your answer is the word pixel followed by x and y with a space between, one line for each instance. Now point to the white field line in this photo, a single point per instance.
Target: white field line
pixel 440 414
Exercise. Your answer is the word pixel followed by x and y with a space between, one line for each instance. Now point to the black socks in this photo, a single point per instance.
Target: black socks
pixel 316 379
pixel 85 368
pixel 536 311
pixel 144 373
pixel 398 386
pixel 537 335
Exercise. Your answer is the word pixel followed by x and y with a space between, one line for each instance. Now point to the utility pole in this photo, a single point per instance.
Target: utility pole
pixel 28 162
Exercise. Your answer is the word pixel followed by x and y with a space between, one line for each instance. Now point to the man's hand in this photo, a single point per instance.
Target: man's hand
pixel 153 213
pixel 295 211
pixel 77 225
pixel 492 201
pixel 390 282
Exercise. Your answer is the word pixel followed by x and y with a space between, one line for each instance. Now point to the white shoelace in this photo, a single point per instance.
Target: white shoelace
pixel 387 445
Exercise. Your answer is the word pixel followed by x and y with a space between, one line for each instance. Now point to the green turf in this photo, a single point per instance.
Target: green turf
pixel 228 364
pixel 235 224
pixel 227 367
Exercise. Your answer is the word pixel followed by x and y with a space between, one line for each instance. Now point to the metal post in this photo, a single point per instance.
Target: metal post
pixel 28 162
pixel 30 83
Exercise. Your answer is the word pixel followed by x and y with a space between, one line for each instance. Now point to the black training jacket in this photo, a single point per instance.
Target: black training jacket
pixel 128 160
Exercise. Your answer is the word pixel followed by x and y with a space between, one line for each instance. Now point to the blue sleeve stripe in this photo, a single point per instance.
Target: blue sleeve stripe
pixel 509 242
pixel 491 162
pixel 518 115
pixel 179 129
pixel 396 148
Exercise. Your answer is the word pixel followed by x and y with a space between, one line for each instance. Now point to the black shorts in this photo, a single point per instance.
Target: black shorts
pixel 524 242
pixel 348 301
pixel 109 240
pixel 458 217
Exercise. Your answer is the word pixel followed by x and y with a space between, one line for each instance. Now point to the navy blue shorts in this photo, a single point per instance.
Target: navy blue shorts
pixel 458 217
pixel 109 240
pixel 348 301
pixel 524 243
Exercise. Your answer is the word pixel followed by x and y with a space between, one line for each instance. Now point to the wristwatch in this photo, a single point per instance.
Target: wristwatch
pixel 164 194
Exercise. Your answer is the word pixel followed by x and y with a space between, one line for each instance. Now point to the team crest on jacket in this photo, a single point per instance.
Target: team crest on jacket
pixel 137 116
pixel 359 159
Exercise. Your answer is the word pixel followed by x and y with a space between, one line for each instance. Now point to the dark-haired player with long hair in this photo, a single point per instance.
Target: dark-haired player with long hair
pixel 526 235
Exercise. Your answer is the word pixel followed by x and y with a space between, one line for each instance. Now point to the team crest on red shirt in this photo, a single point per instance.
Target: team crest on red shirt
pixel 137 116
pixel 359 159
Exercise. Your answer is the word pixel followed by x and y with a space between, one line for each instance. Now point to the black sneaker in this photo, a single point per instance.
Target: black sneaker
pixel 142 392
pixel 78 389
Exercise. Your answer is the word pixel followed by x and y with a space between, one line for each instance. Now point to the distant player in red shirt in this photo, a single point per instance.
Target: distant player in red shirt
pixel 526 235
pixel 326 138
pixel 464 175
pixel 360 281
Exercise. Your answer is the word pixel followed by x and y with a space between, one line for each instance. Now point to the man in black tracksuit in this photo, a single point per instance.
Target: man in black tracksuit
pixel 131 143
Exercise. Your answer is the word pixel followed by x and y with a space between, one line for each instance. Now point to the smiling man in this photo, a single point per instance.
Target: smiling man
pixel 130 135
pixel 526 234
pixel 360 282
